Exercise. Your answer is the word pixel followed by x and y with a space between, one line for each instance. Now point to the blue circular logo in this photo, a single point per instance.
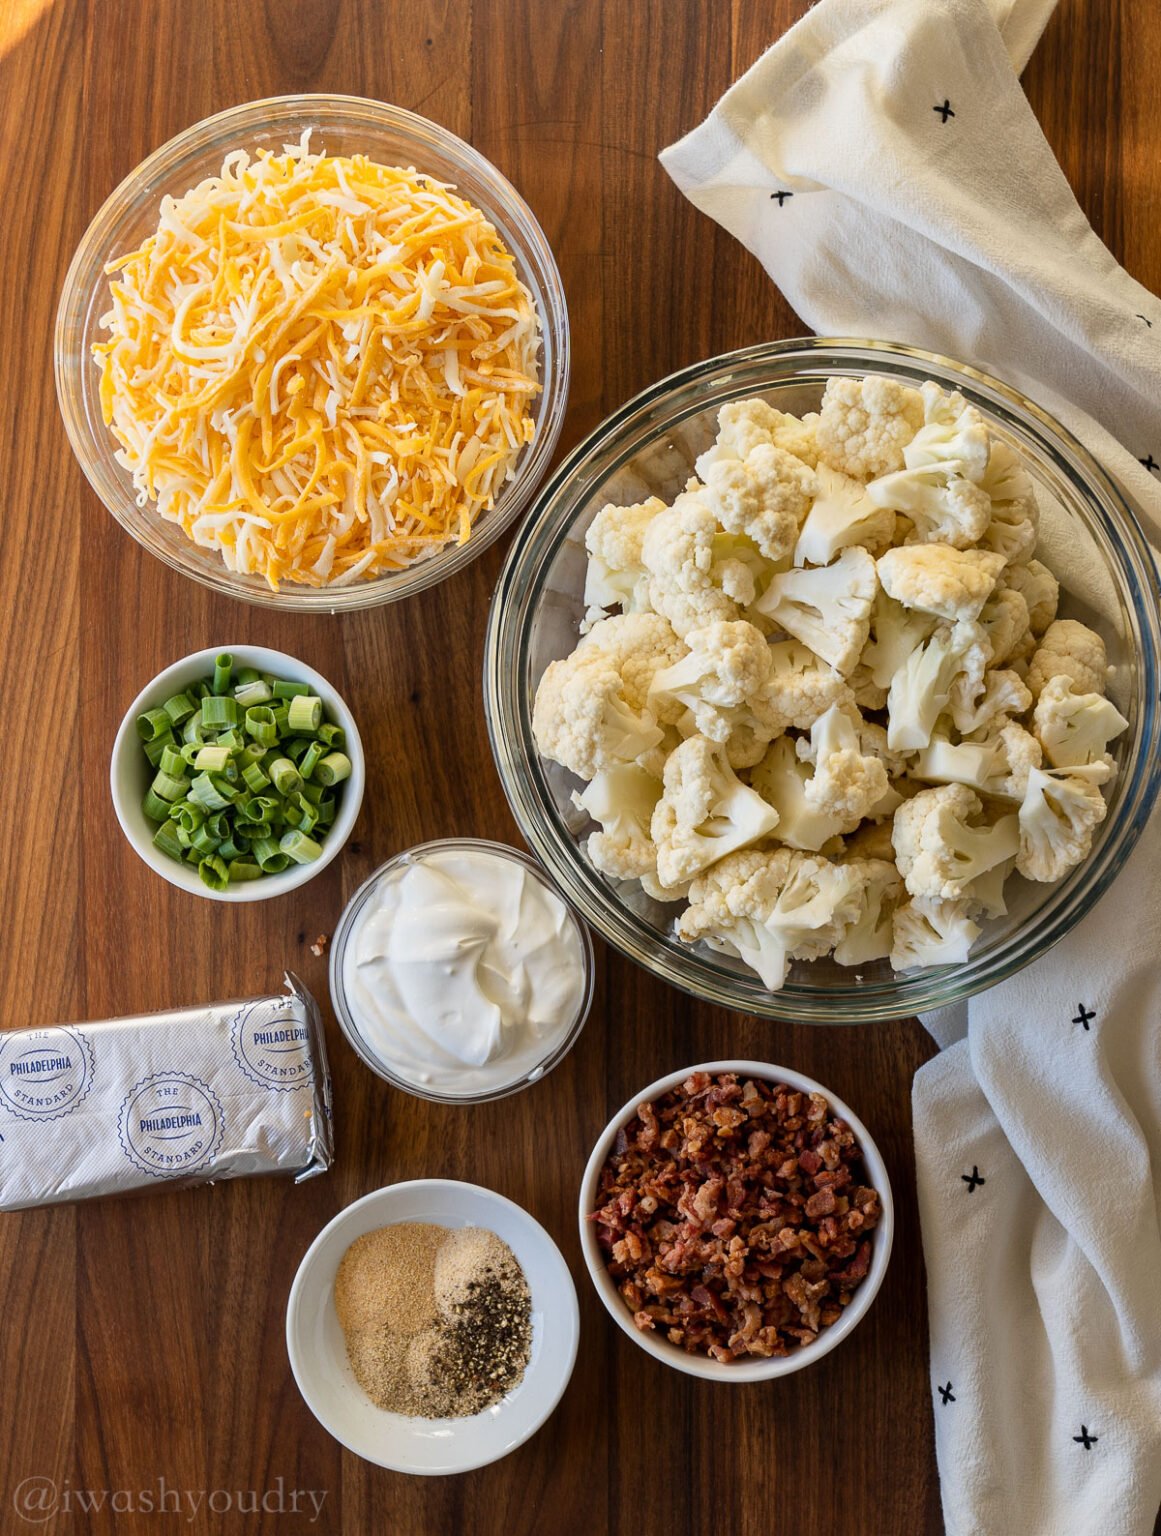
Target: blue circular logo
pixel 44 1073
pixel 171 1124
pixel 273 1051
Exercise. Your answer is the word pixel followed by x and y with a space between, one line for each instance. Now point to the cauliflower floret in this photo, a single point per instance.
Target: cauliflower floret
pixel 622 798
pixel 769 908
pixel 615 574
pixel 867 692
pixel 938 851
pixel 1017 754
pixel 865 424
pixel 953 433
pixel 896 632
pixel 697 573
pixel 1004 618
pixel 847 782
pixel 871 841
pixel 1075 728
pixel 1015 521
pixel 582 719
pixel 870 935
pixel 951 583
pixel 929 932
pixel 997 764
pixel 1058 816
pixel 942 503
pixel 764 496
pixel 976 699
pixel 801 685
pixel 727 662
pixel 920 690
pixel 1069 649
pixel 842 514
pixel 638 645
pixel 827 607
pixel 1040 589
pixel 781 778
pixel 719 688
pixel 985 895
pixel 704 812
pixel 744 425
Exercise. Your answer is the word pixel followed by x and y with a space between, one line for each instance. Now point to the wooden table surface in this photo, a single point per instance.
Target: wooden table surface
pixel 142 1340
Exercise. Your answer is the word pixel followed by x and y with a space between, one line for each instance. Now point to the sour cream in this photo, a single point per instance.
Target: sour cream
pixel 463 971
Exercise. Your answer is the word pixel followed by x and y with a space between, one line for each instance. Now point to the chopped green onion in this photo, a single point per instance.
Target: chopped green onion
pixel 254 778
pixel 309 759
pixel 299 847
pixel 244 868
pixel 231 738
pixel 223 670
pixel 248 675
pixel 167 787
pixel 271 859
pixel 285 776
pixel 214 872
pixel 193 730
pixel 332 736
pixel 205 793
pixel 326 812
pixel 152 724
pixel 154 806
pixel 260 724
pixel 179 708
pixel 156 750
pixel 253 693
pixel 204 842
pixel 333 769
pixel 305 713
pixel 281 713
pixel 219 712
pixel 213 759
pixel 167 840
pixel 284 690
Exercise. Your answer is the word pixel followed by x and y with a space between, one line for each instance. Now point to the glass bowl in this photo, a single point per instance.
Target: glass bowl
pixel 647 448
pixel 557 1049
pixel 340 125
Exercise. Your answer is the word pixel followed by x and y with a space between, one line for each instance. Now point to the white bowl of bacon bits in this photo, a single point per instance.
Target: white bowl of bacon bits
pixel 736 1219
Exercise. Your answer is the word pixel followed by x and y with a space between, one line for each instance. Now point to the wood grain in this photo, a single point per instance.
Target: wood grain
pixel 142 1340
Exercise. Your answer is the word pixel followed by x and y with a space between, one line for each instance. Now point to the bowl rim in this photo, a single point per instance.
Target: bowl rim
pixel 345 1014
pixel 530 249
pixel 739 1372
pixel 522 774
pixel 184 877
pixel 564 1299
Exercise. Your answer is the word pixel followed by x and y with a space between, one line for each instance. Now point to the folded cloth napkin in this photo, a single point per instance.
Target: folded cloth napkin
pixel 884 165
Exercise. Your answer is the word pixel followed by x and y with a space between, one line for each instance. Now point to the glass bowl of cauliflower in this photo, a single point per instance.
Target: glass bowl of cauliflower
pixel 823 679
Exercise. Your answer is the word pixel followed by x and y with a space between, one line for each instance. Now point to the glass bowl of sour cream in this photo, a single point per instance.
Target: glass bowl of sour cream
pixel 458 973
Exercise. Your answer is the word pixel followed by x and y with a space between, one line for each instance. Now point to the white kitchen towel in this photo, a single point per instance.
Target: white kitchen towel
pixel 885 167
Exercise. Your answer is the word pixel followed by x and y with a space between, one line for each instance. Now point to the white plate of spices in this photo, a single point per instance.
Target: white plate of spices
pixel 432 1327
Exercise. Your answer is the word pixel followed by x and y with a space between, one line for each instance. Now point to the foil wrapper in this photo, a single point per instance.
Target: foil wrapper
pixel 224 1091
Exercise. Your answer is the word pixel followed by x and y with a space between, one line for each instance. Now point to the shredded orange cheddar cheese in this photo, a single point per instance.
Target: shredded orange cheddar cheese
pixel 319 366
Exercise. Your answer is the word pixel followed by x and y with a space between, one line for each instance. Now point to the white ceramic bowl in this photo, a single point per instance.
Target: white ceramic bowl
pixel 431 1447
pixel 130 774
pixel 703 1365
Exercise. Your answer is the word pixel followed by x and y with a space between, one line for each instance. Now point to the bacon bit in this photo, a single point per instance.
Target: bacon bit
pixel 721 1201
pixel 319 947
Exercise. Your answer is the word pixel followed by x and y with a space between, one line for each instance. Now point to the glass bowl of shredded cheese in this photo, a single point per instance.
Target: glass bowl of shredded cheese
pixel 314 353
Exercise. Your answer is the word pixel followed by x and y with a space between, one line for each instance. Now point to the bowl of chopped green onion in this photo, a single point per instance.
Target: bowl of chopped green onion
pixel 237 774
